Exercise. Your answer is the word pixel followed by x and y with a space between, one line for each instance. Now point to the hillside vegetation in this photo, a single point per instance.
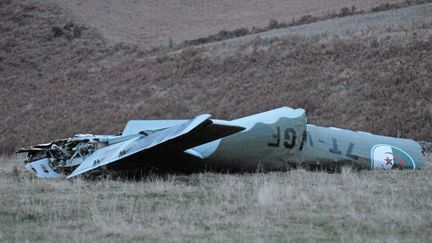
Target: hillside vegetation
pixel 152 23
pixel 60 76
pixel 54 86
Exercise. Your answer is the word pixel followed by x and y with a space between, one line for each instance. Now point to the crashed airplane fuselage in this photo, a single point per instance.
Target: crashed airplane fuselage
pixel 279 139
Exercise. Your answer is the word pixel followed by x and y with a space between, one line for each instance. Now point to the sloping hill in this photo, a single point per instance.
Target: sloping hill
pixel 153 23
pixel 57 86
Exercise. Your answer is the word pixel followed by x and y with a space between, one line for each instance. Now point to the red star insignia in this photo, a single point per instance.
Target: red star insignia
pixel 389 161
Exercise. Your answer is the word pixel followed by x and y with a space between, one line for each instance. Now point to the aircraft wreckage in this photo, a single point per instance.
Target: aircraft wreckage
pixel 279 139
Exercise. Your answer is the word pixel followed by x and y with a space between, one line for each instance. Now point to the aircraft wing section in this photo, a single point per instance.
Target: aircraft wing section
pixel 173 139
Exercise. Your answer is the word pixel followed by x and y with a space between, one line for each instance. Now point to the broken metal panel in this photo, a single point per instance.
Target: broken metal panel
pixel 43 169
pixel 195 153
pixel 175 139
pixel 103 156
pixel 136 126
pixel 118 139
pixel 271 141
pixel 270 117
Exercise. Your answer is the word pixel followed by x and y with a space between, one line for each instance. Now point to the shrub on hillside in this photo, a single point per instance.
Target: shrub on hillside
pixel 69 31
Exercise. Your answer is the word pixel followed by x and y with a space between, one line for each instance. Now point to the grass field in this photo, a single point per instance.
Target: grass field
pixel 278 206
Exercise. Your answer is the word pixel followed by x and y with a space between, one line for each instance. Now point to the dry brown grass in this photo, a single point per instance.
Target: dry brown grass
pixel 305 19
pixel 296 205
pixel 54 87
pixel 154 23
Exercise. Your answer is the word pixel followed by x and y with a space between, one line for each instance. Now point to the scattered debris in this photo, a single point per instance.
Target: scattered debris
pixel 274 140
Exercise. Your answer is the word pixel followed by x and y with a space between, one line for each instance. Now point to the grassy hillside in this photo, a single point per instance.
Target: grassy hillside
pixel 59 77
pixel 153 23
pixel 291 206
pixel 56 86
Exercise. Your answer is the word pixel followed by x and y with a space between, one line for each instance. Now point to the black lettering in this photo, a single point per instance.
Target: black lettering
pixel 290 138
pixel 335 147
pixel 277 137
pixel 303 140
pixel 349 152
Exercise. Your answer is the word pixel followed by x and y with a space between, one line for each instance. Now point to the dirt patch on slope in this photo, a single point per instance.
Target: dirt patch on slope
pixel 398 23
pixel 305 19
pixel 154 23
